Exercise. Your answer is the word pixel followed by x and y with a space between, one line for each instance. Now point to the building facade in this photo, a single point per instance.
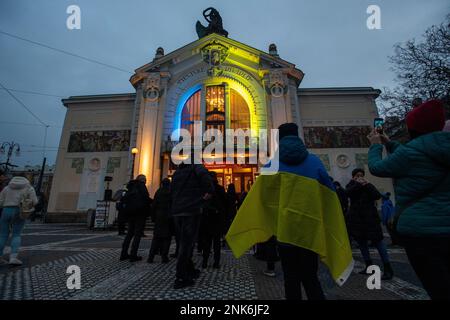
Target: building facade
pixel 222 83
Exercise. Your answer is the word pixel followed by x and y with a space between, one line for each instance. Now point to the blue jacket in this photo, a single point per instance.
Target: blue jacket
pixel 421 173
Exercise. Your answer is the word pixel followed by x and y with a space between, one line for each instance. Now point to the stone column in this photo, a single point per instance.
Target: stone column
pixel 150 129
pixel 279 99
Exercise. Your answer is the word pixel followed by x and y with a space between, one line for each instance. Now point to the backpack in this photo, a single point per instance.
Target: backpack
pixel 26 206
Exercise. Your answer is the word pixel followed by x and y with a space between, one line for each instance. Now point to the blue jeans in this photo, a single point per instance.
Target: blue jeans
pixel 381 247
pixel 10 219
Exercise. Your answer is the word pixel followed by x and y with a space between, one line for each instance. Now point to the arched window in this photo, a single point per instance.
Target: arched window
pixel 215 110
pixel 191 112
pixel 239 113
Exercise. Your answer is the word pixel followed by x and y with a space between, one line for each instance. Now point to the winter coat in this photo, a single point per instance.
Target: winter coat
pixel 189 185
pixel 343 198
pixel 161 213
pixel 214 213
pixel 420 169
pixel 140 201
pixel 363 221
pixel 232 202
pixel 17 188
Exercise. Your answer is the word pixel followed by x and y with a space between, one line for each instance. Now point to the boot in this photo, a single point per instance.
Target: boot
pixel 368 263
pixel 388 273
pixel 14 261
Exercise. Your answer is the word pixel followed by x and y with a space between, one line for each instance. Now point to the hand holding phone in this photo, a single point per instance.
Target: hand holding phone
pixel 378 125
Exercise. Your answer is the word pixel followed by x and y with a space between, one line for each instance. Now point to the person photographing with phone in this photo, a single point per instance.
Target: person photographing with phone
pixel 363 220
pixel 421 170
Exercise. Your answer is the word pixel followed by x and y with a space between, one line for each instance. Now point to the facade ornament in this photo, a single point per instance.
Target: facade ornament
pixel 214 54
pixel 152 90
pixel 277 86
pixel 342 161
pixel 273 50
pixel 159 53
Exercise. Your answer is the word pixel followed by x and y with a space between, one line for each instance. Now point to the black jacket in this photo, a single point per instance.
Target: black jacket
pixel 137 199
pixel 189 184
pixel 343 198
pixel 161 213
pixel 363 221
pixel 214 213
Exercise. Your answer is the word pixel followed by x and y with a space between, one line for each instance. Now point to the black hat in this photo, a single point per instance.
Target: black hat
pixel 287 129
pixel 355 171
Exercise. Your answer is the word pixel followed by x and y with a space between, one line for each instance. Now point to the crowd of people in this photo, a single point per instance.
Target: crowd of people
pixel 297 216
pixel 193 208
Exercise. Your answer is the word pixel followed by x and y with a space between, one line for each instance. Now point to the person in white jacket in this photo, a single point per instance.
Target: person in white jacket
pixel 10 199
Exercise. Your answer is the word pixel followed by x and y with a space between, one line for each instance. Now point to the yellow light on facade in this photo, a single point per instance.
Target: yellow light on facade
pixel 135 151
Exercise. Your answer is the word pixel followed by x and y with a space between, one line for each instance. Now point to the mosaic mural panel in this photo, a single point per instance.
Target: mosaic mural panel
pixel 337 137
pixel 99 141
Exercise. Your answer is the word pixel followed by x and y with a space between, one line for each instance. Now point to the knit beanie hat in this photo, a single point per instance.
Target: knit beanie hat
pixel 426 118
pixel 287 129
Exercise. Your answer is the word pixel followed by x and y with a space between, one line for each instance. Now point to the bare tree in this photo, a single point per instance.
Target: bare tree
pixel 422 71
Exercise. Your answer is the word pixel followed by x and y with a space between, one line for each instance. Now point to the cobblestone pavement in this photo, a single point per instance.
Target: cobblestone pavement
pixel 48 249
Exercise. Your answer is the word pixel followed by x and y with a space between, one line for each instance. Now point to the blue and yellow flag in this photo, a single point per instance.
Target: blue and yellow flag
pixel 298 205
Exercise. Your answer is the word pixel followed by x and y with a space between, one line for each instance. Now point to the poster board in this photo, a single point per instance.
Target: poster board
pixel 101 214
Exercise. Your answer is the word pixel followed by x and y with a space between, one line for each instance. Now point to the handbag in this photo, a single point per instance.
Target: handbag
pixel 26 206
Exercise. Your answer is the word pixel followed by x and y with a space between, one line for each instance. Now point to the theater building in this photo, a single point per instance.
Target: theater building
pixel 222 83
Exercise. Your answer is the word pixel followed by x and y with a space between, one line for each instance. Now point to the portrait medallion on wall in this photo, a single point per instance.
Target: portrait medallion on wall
pixel 342 161
pixel 94 164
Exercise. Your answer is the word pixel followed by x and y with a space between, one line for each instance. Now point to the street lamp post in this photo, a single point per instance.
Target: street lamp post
pixel 11 146
pixel 134 152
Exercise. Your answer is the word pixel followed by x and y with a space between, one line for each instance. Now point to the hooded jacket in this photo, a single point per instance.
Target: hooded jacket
pixel 12 194
pixel 299 206
pixel 421 172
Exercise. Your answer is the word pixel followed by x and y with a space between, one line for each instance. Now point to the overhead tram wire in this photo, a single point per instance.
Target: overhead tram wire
pixel 27 124
pixel 36 93
pixel 46 126
pixel 23 105
pixel 64 52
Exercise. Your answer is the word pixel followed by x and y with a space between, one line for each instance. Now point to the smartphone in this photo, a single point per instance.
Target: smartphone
pixel 378 124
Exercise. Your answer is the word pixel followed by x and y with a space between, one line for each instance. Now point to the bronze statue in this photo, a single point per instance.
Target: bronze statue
pixel 215 24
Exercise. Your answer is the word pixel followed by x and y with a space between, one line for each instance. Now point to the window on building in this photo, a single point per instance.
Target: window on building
pixel 239 113
pixel 215 113
pixel 191 112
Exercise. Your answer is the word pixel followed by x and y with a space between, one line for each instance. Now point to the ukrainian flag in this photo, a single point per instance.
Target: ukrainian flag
pixel 298 205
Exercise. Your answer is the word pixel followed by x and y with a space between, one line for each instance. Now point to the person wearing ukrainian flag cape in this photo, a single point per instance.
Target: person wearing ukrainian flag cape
pixel 298 204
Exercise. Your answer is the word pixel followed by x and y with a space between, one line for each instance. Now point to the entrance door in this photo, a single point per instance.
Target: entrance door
pixel 242 182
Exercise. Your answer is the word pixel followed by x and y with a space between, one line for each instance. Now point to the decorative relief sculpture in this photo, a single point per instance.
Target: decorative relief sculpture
pixel 78 165
pixel 152 90
pixel 342 161
pixel 113 163
pixel 361 159
pixel 214 54
pixel 277 86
